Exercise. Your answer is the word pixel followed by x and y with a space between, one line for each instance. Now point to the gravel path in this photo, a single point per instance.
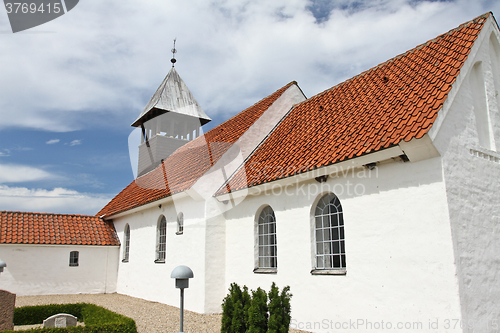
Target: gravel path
pixel 150 317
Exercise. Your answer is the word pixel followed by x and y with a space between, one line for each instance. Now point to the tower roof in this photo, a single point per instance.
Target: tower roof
pixel 172 95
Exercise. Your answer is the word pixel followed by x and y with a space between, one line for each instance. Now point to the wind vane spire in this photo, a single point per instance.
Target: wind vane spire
pixel 174 51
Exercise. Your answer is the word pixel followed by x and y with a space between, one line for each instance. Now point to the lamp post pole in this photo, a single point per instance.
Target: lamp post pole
pixel 182 311
pixel 182 274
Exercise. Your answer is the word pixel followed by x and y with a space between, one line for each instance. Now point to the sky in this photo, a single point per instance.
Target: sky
pixel 70 88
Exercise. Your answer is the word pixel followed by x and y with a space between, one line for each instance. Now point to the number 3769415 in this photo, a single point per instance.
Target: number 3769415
pixel 25 8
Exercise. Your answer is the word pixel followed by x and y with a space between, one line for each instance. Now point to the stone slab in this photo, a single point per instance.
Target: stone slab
pixel 7 305
pixel 60 320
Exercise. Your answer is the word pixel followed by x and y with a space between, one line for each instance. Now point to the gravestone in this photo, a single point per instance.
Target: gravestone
pixel 60 320
pixel 7 304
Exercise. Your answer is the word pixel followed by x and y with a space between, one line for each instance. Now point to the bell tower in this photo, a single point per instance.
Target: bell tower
pixel 171 118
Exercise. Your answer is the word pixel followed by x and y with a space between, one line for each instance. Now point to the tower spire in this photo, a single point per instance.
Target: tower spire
pixel 174 51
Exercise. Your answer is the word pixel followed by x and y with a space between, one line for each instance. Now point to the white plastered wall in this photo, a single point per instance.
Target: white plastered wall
pixel 472 171
pixel 45 270
pixel 400 265
pixel 141 276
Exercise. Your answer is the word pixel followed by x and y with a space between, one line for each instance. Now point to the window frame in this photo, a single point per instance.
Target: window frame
pixel 126 246
pixel 161 240
pixel 332 243
pixel 74 259
pixel 266 241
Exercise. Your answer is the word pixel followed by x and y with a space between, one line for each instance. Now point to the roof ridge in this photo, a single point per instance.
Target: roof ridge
pixel 483 16
pixel 39 213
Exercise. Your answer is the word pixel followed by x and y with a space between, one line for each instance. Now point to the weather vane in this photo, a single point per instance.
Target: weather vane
pixel 174 51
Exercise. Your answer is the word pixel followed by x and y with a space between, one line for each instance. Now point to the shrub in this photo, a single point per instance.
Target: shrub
pixel 227 313
pixel 242 313
pixel 96 318
pixel 279 310
pixel 257 313
pixel 235 310
pixel 30 315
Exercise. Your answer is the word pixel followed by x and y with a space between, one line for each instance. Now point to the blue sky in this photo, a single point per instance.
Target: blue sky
pixel 69 89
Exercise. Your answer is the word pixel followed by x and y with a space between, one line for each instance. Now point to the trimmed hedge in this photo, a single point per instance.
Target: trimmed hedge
pixel 97 319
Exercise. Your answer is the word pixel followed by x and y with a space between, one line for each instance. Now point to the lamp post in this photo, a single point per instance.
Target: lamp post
pixel 182 274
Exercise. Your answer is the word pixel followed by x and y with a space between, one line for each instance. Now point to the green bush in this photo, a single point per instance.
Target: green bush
pixel 242 313
pixel 257 313
pixel 235 310
pixel 227 312
pixel 279 310
pixel 30 315
pixel 97 319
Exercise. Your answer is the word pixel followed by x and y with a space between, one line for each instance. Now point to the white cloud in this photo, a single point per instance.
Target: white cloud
pixel 53 141
pixel 75 142
pixel 14 173
pixel 112 55
pixel 57 200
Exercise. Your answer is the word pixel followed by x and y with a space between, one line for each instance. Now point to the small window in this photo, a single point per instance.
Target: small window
pixel 161 240
pixel 73 258
pixel 267 244
pixel 329 234
pixel 126 248
pixel 180 224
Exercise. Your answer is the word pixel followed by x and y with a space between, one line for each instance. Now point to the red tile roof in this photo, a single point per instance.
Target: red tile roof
pixel 394 101
pixel 183 168
pixel 61 229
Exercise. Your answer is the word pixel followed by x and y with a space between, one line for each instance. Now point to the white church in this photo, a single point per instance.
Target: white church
pixel 376 201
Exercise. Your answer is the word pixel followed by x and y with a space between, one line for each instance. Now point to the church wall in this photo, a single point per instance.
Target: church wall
pixel 215 258
pixel 45 270
pixel 400 265
pixel 468 139
pixel 141 276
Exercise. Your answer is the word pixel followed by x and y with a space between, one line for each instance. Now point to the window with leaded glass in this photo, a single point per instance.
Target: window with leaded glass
pixel 329 233
pixel 161 240
pixel 126 247
pixel 267 245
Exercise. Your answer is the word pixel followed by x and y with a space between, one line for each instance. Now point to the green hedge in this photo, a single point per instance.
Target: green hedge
pixel 97 319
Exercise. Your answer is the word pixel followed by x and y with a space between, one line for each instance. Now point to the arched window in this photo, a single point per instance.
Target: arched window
pixel 161 240
pixel 266 226
pixel 180 224
pixel 329 233
pixel 126 247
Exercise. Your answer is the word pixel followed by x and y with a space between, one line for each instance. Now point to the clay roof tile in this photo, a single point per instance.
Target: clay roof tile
pixel 42 228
